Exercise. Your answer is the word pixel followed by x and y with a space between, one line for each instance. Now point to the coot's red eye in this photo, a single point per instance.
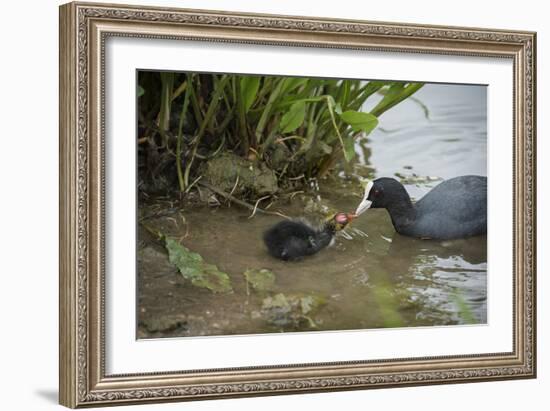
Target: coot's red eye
pixel 376 192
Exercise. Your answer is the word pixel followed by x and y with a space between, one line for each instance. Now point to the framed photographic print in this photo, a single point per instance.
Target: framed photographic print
pixel 260 204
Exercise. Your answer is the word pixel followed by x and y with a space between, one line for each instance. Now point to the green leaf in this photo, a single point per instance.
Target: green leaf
pixel 359 121
pixel 193 268
pixel 268 109
pixel 140 91
pixel 394 95
pixel 293 118
pixel 349 148
pixel 330 101
pixel 260 280
pixel 291 83
pixel 364 93
pixel 348 153
pixel 249 90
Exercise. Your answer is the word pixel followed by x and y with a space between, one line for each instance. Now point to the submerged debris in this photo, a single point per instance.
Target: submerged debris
pixel 292 310
pixel 417 180
pixel 260 279
pixel 192 267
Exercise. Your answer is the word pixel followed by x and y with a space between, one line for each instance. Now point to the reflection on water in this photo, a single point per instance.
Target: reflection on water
pixel 372 277
pixel 451 142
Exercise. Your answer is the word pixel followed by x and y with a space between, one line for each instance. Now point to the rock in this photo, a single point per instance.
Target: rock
pixel 254 177
pixel 279 156
pixel 292 310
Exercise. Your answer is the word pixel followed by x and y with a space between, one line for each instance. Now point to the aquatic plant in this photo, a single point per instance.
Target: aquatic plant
pixel 297 127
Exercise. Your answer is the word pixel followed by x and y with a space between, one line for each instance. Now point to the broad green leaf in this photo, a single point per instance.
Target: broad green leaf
pixel 249 90
pixel 260 280
pixel 293 118
pixel 359 121
pixel 193 268
pixel 140 91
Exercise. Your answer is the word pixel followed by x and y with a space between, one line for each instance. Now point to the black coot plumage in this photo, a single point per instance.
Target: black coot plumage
pixel 292 240
pixel 456 208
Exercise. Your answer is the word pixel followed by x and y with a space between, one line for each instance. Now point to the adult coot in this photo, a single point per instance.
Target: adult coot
pixel 292 240
pixel 456 208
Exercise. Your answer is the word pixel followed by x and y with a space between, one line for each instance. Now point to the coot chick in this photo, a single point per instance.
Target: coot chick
pixel 292 240
pixel 456 208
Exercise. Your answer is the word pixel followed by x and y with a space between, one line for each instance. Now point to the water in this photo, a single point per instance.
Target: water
pixel 372 277
pixel 451 142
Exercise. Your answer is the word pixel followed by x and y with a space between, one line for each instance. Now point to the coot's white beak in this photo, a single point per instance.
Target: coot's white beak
pixel 365 203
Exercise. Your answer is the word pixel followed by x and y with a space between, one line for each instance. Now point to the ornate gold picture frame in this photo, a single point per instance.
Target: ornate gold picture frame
pixel 84 29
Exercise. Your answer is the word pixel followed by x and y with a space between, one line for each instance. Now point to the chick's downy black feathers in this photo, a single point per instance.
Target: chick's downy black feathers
pixel 291 240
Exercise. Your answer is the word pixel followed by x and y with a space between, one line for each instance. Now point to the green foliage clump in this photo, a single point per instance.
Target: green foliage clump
pixel 295 126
